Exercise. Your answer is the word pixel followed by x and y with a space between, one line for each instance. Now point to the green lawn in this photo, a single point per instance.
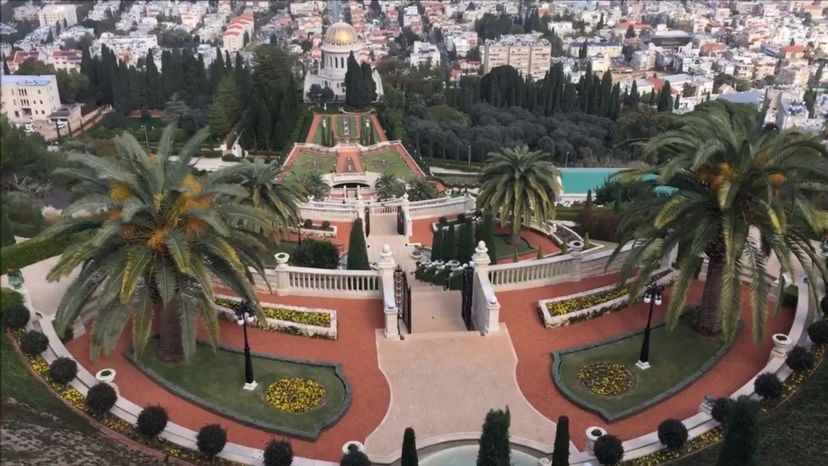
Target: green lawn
pixel 506 250
pixel 673 357
pixel 215 379
pixel 312 163
pixel 387 162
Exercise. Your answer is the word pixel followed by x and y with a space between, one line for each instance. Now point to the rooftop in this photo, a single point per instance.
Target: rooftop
pixel 28 80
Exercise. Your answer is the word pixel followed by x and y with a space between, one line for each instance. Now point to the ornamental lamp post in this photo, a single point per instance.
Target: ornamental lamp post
pixel 653 296
pixel 246 314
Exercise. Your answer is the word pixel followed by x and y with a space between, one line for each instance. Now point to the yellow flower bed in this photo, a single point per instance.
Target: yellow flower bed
pixel 566 306
pixel 318 319
pixel 606 378
pixel 295 394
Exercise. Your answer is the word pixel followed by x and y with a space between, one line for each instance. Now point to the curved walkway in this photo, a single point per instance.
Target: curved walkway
pixel 534 345
pixel 355 350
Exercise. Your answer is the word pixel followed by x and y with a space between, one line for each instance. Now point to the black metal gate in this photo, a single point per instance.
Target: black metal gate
pixel 400 221
pixel 467 292
pixel 367 222
pixel 402 296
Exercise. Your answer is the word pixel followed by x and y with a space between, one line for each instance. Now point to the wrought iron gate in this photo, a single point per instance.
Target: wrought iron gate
pixel 467 292
pixel 367 222
pixel 402 296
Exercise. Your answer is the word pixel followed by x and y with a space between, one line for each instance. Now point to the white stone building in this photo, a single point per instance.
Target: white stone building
pixel 29 98
pixel 529 54
pixel 424 54
pixel 51 14
pixel 340 40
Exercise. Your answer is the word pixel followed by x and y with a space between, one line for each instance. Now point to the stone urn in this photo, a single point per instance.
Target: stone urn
pixel 106 375
pixel 576 246
pixel 781 344
pixel 592 434
pixel 544 462
pixel 281 258
pixel 417 255
pixel 346 447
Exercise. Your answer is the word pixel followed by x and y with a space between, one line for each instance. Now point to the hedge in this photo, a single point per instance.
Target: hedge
pixel 17 256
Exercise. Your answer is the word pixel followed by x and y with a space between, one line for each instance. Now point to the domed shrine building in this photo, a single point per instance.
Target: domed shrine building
pixel 340 40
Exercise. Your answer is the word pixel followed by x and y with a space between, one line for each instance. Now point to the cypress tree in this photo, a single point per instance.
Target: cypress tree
pixel 560 456
pixel 494 441
pixel 6 230
pixel 465 245
pixel 368 85
pixel 437 244
pixel 449 244
pixel 606 94
pixel 353 83
pixel 409 449
pixel 742 437
pixel 665 98
pixel 357 251
pixel 615 101
pixel 634 97
pixel 263 124
pixel 677 102
pixel 485 233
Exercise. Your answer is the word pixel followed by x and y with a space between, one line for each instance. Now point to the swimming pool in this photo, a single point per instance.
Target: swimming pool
pixel 580 180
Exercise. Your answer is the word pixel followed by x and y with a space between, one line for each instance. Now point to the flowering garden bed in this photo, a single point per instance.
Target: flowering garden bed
pixel 294 320
pixel 565 310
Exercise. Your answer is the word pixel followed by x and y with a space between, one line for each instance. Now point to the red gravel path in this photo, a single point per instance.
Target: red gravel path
pixel 314 127
pixel 378 127
pixel 355 350
pixel 534 345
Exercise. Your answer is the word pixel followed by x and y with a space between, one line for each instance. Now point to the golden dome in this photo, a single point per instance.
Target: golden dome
pixel 341 34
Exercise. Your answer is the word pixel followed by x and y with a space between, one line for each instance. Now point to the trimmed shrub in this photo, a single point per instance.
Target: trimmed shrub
pixel 672 434
pixel 308 223
pixel 437 244
pixel 818 332
pixel 16 316
pixel 6 231
pixel 800 359
pixel 721 408
pixel 278 453
pixel 152 421
pixel 63 370
pixel 357 251
pixel 741 439
pixel 494 441
pixel 326 225
pixel 768 386
pixel 316 253
pixel 211 440
pixel 354 457
pixel 560 455
pixel 790 296
pixel 608 450
pixel 100 399
pixel 823 305
pixel 35 250
pixel 409 449
pixel 9 298
pixel 34 342
pixel 461 218
pixel 449 244
pixel 442 221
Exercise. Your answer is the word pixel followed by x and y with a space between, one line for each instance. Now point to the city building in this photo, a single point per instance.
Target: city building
pixel 792 113
pixel 29 98
pixel 529 54
pixel 66 15
pixel 239 29
pixel 340 40
pixel 424 54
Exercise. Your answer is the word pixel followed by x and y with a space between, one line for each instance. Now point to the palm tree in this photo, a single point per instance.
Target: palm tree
pixel 314 185
pixel 388 186
pixel 733 191
pixel 420 189
pixel 158 238
pixel 278 198
pixel 519 185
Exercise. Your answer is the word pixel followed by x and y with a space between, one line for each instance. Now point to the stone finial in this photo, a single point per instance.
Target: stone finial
pixel 481 256
pixel 310 197
pixel 386 259
pixel 481 248
pixel 405 196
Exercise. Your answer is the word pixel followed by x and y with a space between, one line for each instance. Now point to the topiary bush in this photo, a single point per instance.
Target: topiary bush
pixel 357 250
pixel 63 370
pixel 326 225
pixel 16 316
pixel 672 434
pixel 308 223
pixel 100 399
pixel 316 253
pixel 560 455
pixel 608 450
pixel 818 332
pixel 34 342
pixel 823 305
pixel 800 359
pixel 768 386
pixel 278 453
pixel 409 448
pixel 211 440
pixel 354 457
pixel 720 409
pixel 742 437
pixel 152 421
pixel 9 298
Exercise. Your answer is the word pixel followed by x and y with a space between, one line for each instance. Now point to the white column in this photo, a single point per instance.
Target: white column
pixel 386 265
pixel 282 274
pixel 409 224
pixel 488 298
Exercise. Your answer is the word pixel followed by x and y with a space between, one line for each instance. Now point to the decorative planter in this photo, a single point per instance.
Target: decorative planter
pixel 576 246
pixel 781 344
pixel 106 375
pixel 544 462
pixel 592 434
pixel 359 446
pixel 452 264
pixel 281 258
pixel 416 255
pixel 15 279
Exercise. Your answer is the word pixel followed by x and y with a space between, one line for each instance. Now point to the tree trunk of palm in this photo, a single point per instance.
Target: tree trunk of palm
pixel 710 319
pixel 170 344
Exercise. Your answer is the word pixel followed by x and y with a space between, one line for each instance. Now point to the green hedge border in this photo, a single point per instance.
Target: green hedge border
pixel 681 385
pixel 34 250
pixel 312 434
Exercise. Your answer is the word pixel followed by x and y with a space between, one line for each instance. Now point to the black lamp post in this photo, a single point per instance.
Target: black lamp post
pixel 245 314
pixel 652 296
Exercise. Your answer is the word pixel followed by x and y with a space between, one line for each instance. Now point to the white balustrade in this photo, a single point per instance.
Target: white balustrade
pixel 287 280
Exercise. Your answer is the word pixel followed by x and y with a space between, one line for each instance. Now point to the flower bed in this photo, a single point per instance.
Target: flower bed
pixel 77 400
pixel 293 320
pixel 565 310
pixel 318 231
pixel 296 394
pixel 606 378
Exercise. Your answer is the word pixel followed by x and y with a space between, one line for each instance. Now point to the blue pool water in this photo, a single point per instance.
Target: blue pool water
pixel 581 180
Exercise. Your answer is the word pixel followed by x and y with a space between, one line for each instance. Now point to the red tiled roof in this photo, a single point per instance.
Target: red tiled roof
pixel 797 48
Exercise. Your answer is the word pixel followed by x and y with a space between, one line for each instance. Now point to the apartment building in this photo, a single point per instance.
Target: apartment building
pixel 234 35
pixel 51 14
pixel 425 54
pixel 29 98
pixel 529 54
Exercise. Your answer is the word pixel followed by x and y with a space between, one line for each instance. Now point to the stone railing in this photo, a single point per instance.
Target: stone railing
pixel 555 269
pixel 327 211
pixel 485 306
pixel 441 207
pixel 287 280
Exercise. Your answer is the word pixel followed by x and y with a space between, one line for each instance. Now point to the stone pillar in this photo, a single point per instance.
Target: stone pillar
pixel 282 274
pixel 703 269
pixel 480 258
pixel 386 265
pixel 492 306
pixel 409 224
pixel 668 259
pixel 360 210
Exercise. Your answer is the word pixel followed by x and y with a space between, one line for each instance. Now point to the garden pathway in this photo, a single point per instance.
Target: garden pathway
pixel 444 384
pixel 343 157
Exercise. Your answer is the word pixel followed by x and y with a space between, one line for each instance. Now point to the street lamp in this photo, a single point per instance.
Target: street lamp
pixel 652 296
pixel 246 314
